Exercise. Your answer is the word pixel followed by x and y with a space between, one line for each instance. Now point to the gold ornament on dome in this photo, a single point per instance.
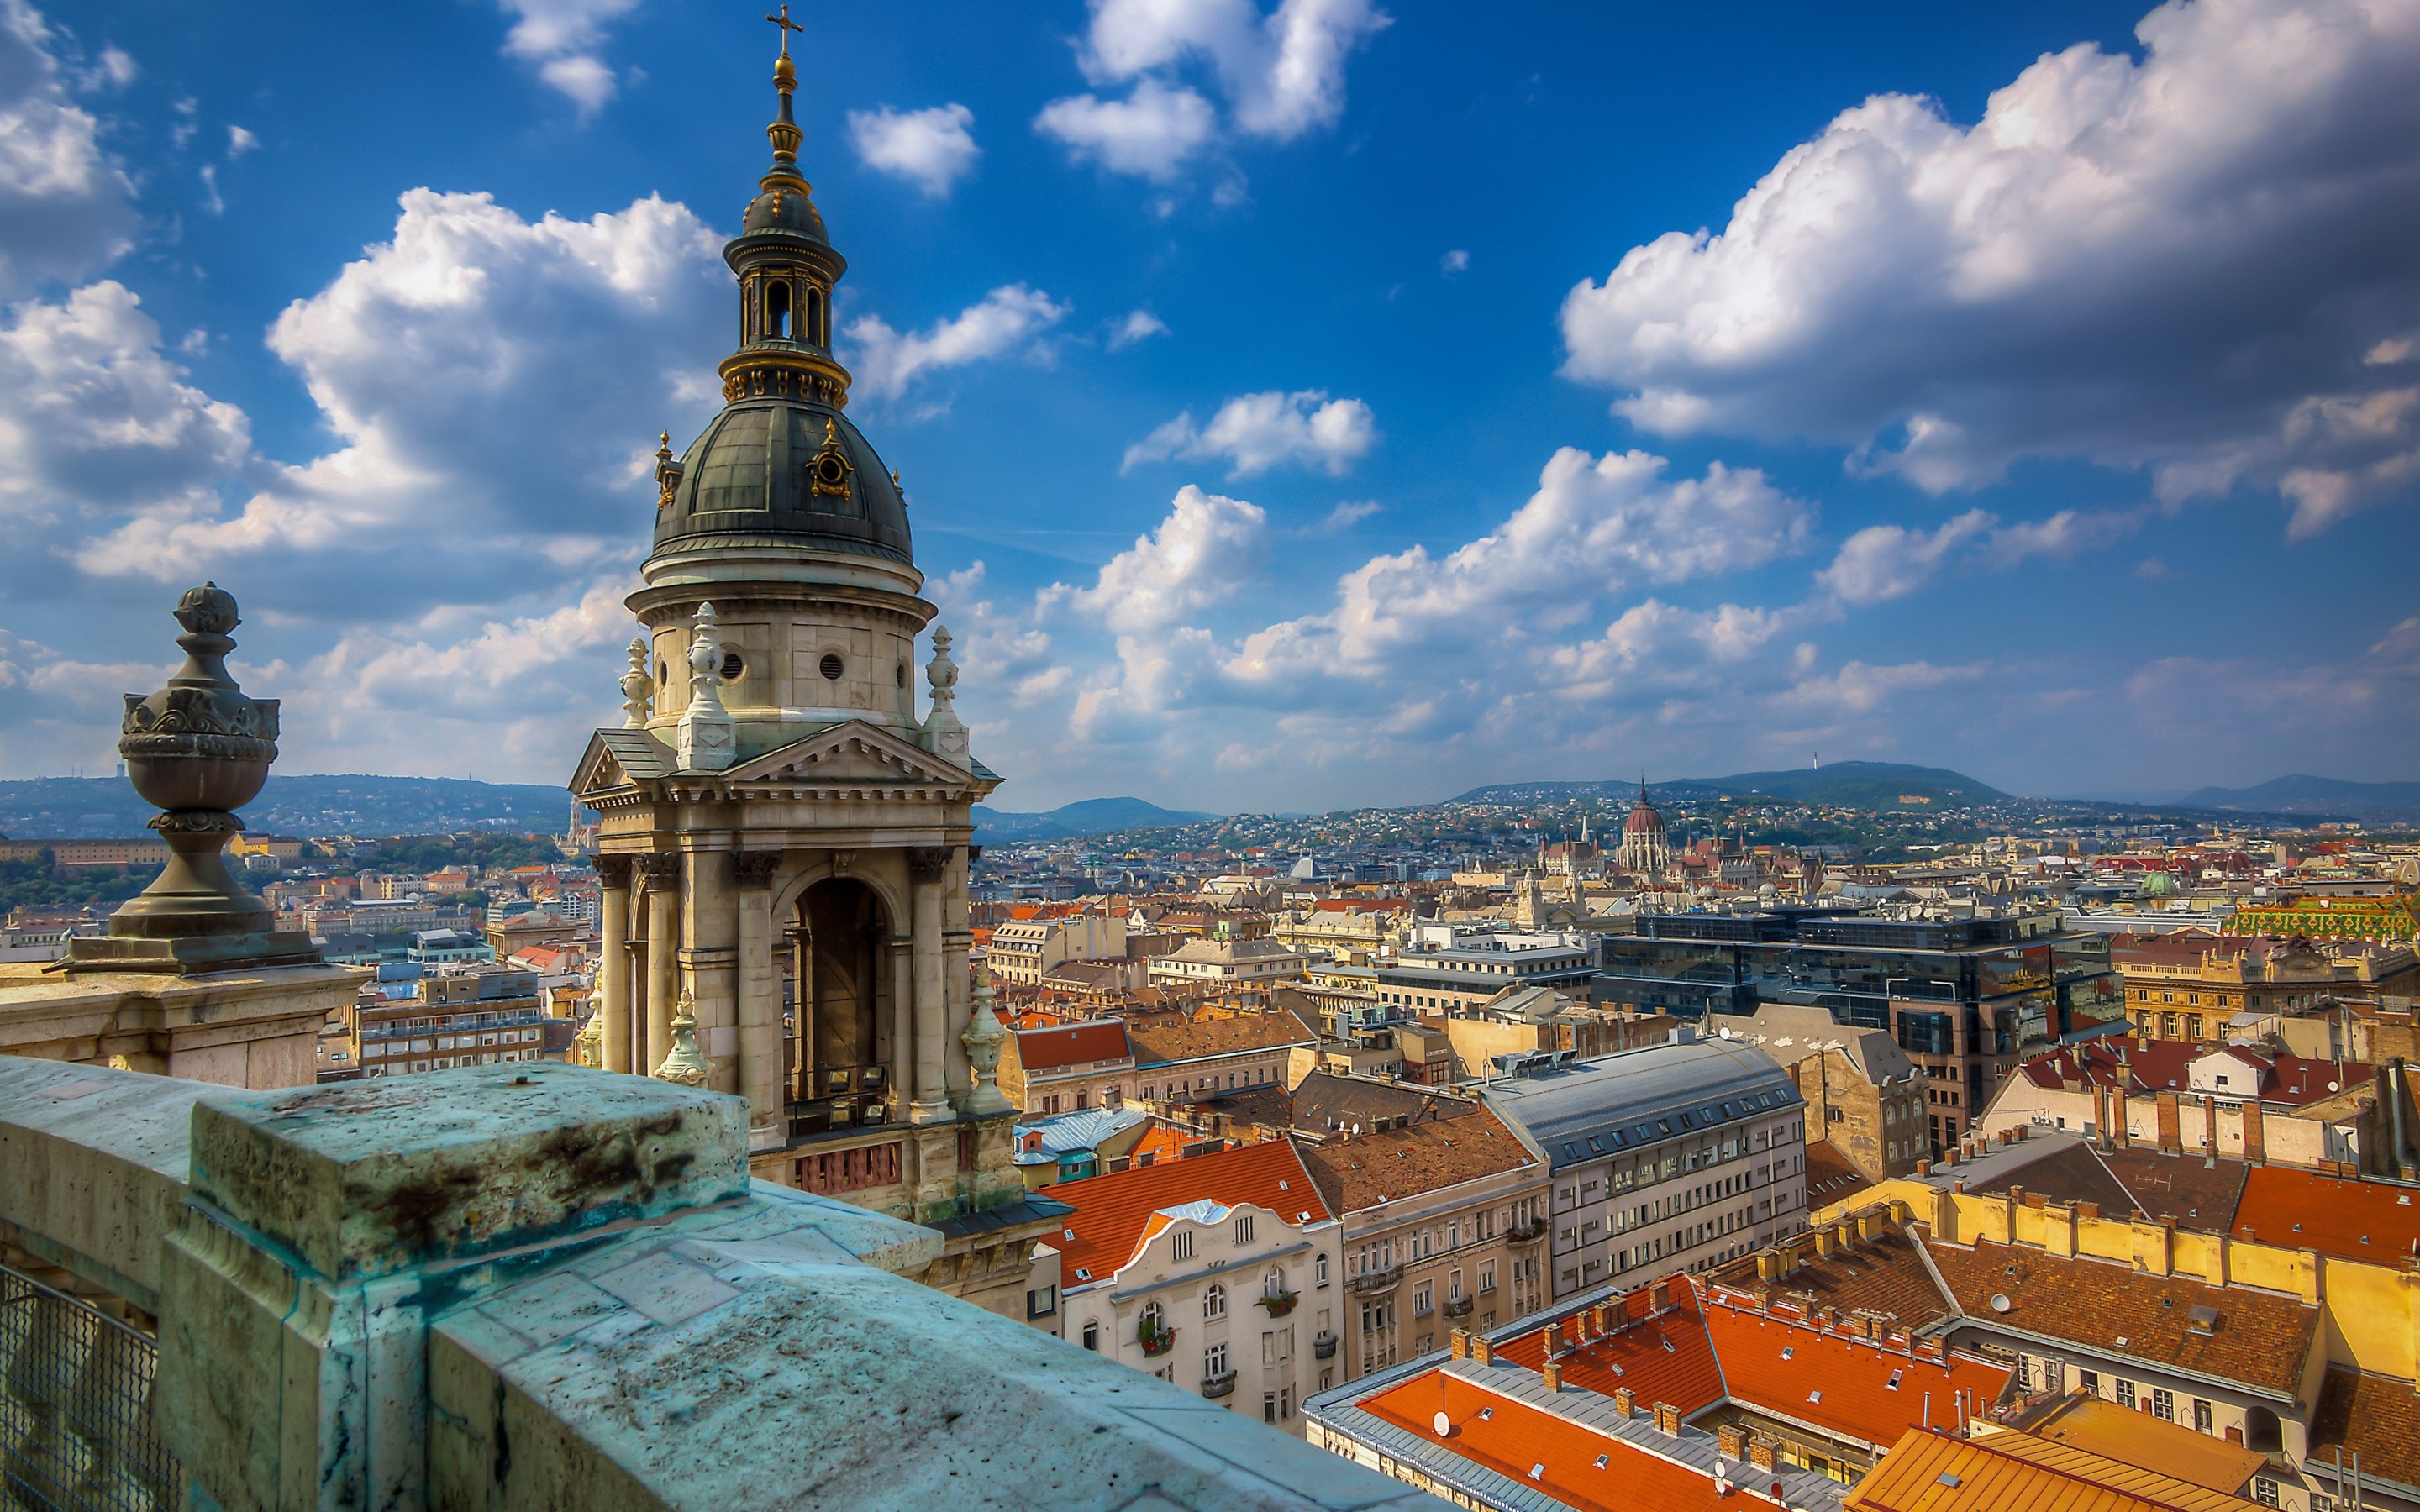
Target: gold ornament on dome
pixel 828 474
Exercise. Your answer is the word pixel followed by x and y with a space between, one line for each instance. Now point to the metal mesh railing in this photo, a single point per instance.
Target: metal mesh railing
pixel 75 1408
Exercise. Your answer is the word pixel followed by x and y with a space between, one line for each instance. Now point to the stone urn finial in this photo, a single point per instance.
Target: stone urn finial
pixel 945 733
pixel 683 1063
pixel 199 748
pixel 636 687
pixel 704 739
pixel 983 1038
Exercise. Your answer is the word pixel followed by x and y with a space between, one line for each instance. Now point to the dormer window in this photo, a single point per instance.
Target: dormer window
pixel 777 308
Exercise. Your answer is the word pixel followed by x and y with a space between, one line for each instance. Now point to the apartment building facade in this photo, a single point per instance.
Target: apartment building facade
pixel 1023 952
pixel 1221 1273
pixel 1444 1228
pixel 1676 1157
pixel 447 1018
pixel 2191 985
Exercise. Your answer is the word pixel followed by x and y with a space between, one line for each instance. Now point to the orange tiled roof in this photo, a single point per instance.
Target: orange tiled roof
pixel 1113 1213
pixel 1076 1044
pixel 2376 1417
pixel 1933 1472
pixel 1666 1357
pixel 1838 1385
pixel 1515 1438
pixel 2351 1220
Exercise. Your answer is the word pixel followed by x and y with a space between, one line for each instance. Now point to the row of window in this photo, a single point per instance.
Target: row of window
pixel 449 1062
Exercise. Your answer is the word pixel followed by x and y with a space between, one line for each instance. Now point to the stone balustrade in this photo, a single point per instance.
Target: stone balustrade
pixel 536 1286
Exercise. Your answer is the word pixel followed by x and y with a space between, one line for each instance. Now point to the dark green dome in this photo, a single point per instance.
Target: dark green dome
pixel 788 469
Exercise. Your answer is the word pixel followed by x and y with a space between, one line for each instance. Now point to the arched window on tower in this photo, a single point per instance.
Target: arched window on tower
pixel 812 327
pixel 777 308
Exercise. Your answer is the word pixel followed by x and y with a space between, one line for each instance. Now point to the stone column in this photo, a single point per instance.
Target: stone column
pixel 613 962
pixel 956 938
pixel 760 998
pixel 903 1022
pixel 710 961
pixel 664 958
pixel 927 865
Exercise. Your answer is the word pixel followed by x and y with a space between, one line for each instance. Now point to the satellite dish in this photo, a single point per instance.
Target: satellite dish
pixel 1443 1425
pixel 1999 1302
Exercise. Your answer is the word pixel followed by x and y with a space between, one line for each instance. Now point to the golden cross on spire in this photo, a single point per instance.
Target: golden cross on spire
pixel 788 26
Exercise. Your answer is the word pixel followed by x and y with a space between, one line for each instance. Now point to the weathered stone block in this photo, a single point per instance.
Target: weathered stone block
pixel 364 1179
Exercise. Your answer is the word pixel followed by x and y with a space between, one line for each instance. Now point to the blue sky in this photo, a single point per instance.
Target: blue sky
pixel 1303 404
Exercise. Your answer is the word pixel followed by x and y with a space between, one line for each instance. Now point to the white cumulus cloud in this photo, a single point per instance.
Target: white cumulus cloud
pixel 565 38
pixel 1151 133
pixel 1255 432
pixel 1281 74
pixel 1138 325
pixel 1207 547
pixel 2179 263
pixel 931 148
pixel 1883 562
pixel 885 361
pixel 66 208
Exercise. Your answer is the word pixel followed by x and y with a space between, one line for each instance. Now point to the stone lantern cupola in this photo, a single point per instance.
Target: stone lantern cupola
pixel 783 835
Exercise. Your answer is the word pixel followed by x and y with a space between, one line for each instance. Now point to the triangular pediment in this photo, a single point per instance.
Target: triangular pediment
pixel 851 751
pixel 617 758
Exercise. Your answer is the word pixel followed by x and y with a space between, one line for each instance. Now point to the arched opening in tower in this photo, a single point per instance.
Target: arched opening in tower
pixel 777 308
pixel 813 327
pixel 842 1032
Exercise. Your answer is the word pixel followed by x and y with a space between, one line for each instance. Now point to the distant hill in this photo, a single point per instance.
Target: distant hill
pixel 1091 816
pixel 2318 797
pixel 73 807
pixel 1842 784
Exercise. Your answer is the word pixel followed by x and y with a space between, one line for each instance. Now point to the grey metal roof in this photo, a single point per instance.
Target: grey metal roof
pixel 1623 1103
pixel 641 755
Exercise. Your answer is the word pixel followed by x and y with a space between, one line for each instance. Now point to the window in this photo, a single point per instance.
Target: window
pixel 1319 1270
pixel 1214 1360
pixel 1214 1303
pixel 2090 1380
pixel 777 309
pixel 1268 1407
pixel 2264 1491
pixel 1244 1229
pixel 1273 1283
pixel 811 328
pixel 1424 1300
pixel 2202 1416
pixel 1487 1277
pixel 1042 1302
pixel 1092 1334
pixel 1183 1244
pixel 2126 1394
pixel 2163 1404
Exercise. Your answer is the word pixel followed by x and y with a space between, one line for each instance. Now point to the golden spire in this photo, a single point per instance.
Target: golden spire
pixel 784 131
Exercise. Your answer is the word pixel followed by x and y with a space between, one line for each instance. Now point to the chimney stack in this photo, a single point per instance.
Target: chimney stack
pixel 1730 1441
pixel 1668 1419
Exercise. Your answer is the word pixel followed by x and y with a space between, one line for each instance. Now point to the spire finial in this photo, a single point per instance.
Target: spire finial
pixel 788 26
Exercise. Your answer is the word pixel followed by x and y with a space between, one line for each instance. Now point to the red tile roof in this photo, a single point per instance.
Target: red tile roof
pixel 1114 1211
pixel 1077 1044
pixel 1515 1438
pixel 2351 1220
pixel 1838 1385
pixel 1662 1358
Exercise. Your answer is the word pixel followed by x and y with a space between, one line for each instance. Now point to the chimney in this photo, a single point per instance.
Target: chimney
pixel 1657 1294
pixel 1459 1343
pixel 1668 1419
pixel 1552 1374
pixel 1768 1265
pixel 1482 1350
pixel 1625 1401
pixel 1823 1242
pixel 1553 1338
pixel 1604 1318
pixel 1761 1453
pixel 1730 1441
pixel 1924 1167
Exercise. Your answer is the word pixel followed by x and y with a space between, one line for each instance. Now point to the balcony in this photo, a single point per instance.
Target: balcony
pixel 1527 1233
pixel 1377 1283
pixel 1323 1347
pixel 1222 1384
pixel 1458 1306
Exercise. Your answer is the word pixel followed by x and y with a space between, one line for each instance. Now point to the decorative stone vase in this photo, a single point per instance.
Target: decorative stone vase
pixel 983 1038
pixel 683 1063
pixel 199 748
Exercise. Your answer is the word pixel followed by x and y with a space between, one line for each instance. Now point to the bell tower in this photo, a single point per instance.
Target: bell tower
pixel 783 840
